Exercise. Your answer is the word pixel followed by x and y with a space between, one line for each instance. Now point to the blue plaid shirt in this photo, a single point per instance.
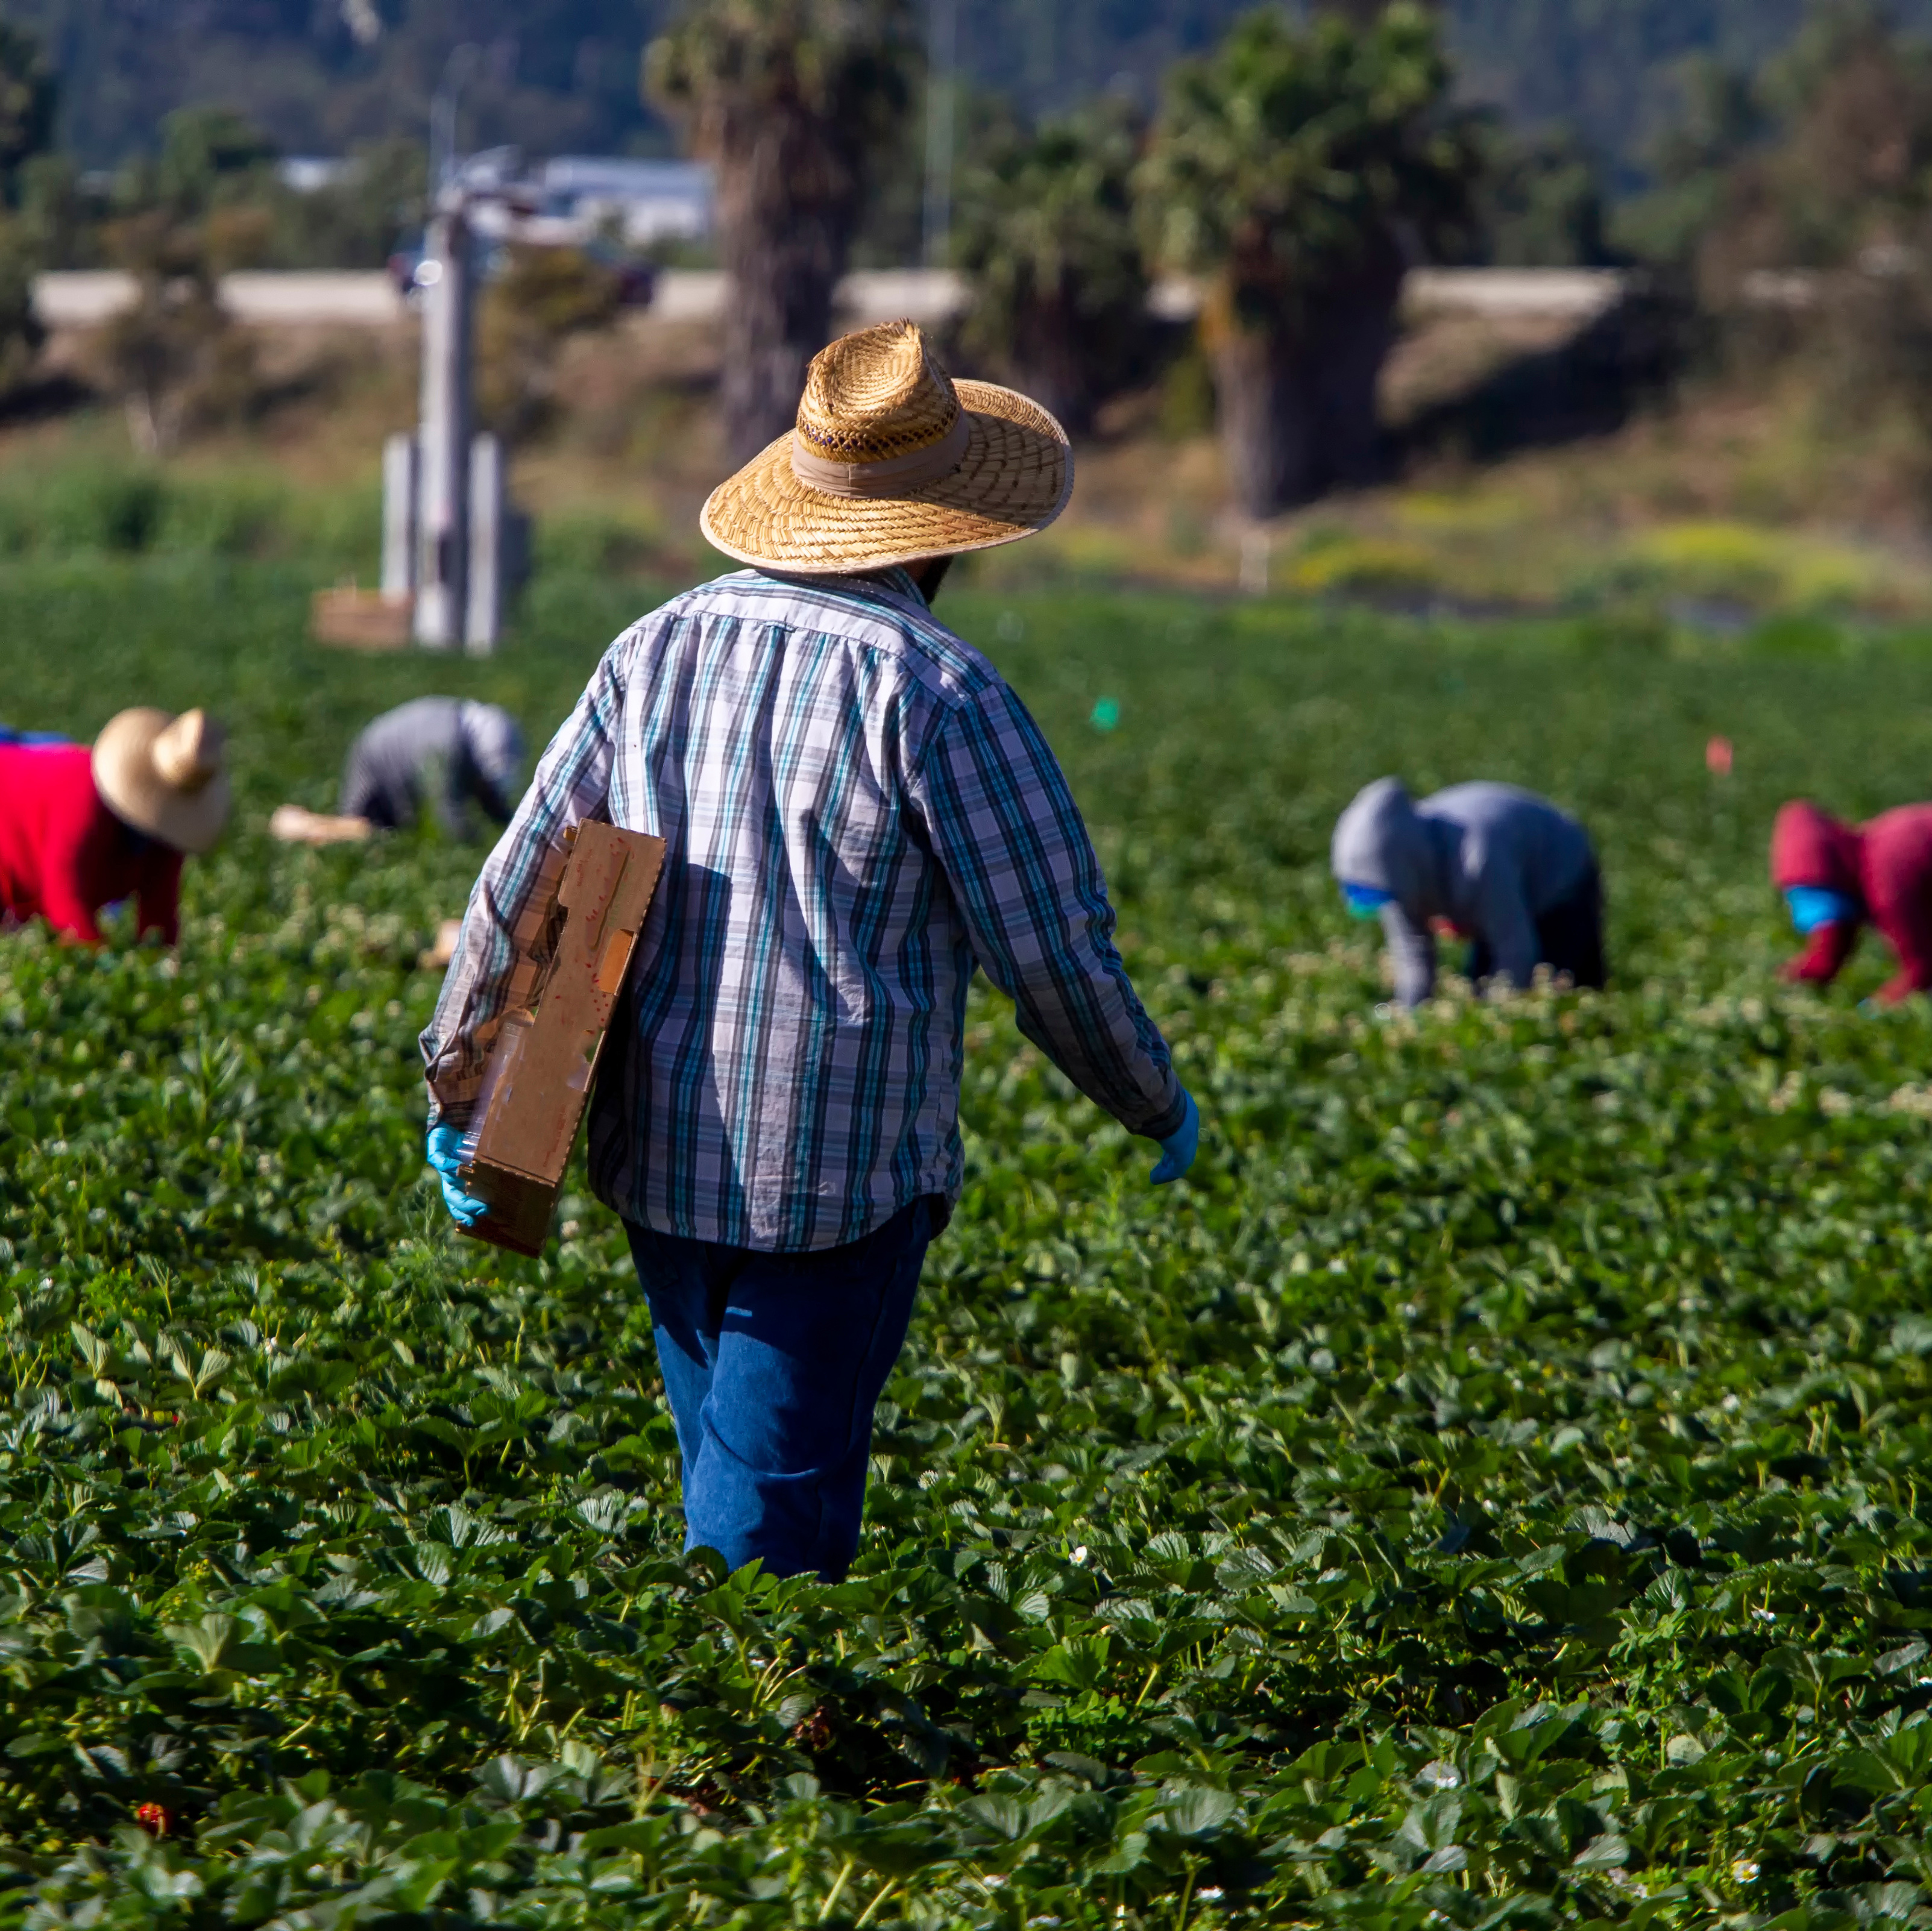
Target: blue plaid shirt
pixel 856 810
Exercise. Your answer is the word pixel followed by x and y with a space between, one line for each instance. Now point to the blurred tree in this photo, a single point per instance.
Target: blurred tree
pixel 28 96
pixel 214 165
pixel 200 211
pixel 1294 171
pixel 155 353
pixel 63 211
pixel 1045 237
pixel 358 220
pixel 210 154
pixel 21 334
pixel 1722 117
pixel 1539 203
pixel 543 297
pixel 1817 241
pixel 205 202
pixel 790 99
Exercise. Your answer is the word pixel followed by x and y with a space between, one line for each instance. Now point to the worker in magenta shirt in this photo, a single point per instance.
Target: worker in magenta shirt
pixel 81 828
pixel 1837 879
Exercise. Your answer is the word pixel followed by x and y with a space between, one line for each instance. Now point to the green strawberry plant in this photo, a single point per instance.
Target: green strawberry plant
pixel 1492 1491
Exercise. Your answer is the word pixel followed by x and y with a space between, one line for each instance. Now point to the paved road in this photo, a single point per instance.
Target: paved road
pixel 930 295
pixel 85 300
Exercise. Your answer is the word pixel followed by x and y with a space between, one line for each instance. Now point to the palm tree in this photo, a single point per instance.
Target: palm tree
pixel 1046 239
pixel 1294 170
pixel 789 99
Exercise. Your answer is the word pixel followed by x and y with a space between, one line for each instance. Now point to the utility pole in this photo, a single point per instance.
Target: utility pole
pixel 453 545
pixel 457 71
pixel 942 62
pixel 442 523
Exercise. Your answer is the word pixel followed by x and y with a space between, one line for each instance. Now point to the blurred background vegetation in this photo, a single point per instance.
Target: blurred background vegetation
pixel 1190 227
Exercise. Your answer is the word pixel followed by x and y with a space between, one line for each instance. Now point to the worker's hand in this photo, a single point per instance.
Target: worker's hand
pixel 1178 1149
pixel 445 1155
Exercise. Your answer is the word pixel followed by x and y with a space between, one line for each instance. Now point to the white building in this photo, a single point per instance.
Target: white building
pixel 645 201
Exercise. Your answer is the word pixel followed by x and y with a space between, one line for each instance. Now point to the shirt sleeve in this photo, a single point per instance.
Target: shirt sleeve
pixel 1412 951
pixel 1822 960
pixel 509 902
pixel 158 900
pixel 1003 825
pixel 73 872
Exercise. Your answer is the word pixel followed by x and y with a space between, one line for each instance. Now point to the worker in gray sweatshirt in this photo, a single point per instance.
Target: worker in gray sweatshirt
pixel 441 753
pixel 1497 866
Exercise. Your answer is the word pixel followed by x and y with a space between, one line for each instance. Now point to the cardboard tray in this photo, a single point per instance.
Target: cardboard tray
pixel 355 619
pixel 537 1081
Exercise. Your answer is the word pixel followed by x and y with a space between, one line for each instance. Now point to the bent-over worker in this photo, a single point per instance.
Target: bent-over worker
pixel 443 752
pixel 1837 878
pixel 81 828
pixel 1497 866
pixel 856 811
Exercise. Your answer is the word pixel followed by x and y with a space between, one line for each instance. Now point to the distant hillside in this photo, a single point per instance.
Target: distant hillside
pixel 321 74
pixel 1604 67
pixel 562 73
pixel 558 73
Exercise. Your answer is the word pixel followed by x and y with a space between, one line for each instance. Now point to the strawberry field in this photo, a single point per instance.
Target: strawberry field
pixel 1493 1491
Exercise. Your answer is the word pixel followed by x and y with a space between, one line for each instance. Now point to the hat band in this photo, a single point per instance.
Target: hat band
pixel 893 477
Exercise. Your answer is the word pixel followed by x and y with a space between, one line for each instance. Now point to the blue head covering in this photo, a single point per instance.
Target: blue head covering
pixel 1814 907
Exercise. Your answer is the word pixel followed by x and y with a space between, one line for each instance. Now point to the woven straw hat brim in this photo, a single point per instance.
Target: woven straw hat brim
pixel 136 792
pixel 1014 479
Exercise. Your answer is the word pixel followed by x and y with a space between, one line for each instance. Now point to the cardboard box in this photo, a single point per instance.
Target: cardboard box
pixel 361 619
pixel 563 990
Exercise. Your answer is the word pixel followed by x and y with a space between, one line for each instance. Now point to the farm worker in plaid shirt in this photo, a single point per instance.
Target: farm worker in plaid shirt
pixel 856 811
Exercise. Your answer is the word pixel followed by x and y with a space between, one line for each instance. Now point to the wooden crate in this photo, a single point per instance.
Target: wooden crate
pixel 361 619
pixel 537 1082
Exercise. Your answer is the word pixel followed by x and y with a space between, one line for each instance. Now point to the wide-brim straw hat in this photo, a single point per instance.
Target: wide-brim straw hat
pixel 164 775
pixel 892 461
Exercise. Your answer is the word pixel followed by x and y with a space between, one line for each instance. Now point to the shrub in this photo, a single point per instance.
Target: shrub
pixel 544 297
pixel 1047 241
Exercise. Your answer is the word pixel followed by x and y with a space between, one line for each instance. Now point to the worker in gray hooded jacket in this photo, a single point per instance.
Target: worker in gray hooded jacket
pixel 443 752
pixel 1497 866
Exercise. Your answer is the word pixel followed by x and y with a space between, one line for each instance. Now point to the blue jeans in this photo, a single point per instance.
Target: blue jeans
pixel 773 1363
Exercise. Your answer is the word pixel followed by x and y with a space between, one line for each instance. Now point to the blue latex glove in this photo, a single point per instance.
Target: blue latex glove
pixel 1178 1149
pixel 445 1155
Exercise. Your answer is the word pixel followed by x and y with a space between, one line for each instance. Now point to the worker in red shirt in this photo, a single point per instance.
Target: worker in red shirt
pixel 81 828
pixel 1837 878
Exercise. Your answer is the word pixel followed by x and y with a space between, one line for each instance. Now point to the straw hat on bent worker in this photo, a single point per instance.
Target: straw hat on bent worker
pixel 164 776
pixel 892 461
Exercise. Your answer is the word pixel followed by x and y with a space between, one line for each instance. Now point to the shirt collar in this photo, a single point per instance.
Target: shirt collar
pixel 899 578
pixel 895 580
